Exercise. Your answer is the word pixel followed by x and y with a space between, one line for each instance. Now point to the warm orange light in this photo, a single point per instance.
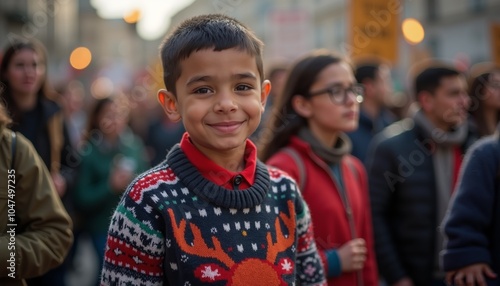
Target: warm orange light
pixel 413 31
pixel 132 16
pixel 80 58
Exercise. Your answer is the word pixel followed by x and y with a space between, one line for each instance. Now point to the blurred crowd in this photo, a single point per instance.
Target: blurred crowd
pixel 408 158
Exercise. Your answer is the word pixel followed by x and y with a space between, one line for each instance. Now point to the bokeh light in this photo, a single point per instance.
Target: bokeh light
pixel 133 16
pixel 102 87
pixel 413 31
pixel 80 58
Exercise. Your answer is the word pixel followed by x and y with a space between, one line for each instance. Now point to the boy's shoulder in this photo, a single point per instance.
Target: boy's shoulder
pixel 150 182
pixel 278 176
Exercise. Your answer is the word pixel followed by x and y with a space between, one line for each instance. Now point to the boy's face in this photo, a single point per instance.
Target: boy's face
pixel 220 99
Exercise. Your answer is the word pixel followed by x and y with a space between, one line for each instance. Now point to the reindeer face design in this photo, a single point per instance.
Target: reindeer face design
pixel 250 270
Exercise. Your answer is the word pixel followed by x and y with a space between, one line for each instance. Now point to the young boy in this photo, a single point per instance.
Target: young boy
pixel 211 213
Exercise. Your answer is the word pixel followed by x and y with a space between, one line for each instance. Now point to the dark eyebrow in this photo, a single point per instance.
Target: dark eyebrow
pixel 337 84
pixel 204 78
pixel 245 75
pixel 197 79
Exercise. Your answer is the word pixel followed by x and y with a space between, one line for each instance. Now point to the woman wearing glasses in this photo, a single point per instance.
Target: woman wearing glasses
pixel 306 138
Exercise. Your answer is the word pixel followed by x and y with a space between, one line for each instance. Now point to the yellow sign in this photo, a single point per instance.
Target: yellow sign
pixel 374 29
pixel 495 42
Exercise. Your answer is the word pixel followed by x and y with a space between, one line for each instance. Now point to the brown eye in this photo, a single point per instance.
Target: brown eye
pixel 202 90
pixel 243 87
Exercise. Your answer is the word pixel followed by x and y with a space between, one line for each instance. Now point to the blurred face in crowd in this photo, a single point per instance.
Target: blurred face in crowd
pixel 25 73
pixel 383 84
pixel 112 119
pixel 492 91
pixel 447 106
pixel 72 98
pixel 326 116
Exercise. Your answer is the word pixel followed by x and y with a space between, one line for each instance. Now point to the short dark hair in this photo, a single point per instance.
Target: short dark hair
pixel 366 71
pixel 215 31
pixel 430 78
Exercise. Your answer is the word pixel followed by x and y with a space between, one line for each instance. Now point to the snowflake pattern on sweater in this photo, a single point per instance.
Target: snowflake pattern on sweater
pixel 174 227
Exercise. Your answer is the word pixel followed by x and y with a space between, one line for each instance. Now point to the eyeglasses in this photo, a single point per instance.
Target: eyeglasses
pixel 339 95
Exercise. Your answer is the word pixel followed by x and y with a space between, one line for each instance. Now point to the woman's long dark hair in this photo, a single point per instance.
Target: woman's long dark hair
pixel 95 114
pixel 284 121
pixel 477 85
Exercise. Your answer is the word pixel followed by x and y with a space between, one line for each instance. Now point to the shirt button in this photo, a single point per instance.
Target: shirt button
pixel 237 180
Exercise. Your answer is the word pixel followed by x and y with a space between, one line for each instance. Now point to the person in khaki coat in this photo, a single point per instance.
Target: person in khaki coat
pixel 35 229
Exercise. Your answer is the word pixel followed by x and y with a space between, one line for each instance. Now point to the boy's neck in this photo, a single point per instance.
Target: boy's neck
pixel 233 163
pixel 232 160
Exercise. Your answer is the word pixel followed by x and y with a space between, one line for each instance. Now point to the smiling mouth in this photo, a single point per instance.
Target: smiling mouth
pixel 226 127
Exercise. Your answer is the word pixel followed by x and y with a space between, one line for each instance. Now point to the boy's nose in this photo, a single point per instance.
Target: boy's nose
pixel 225 102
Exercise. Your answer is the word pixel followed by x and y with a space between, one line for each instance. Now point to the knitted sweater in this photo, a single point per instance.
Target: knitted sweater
pixel 174 227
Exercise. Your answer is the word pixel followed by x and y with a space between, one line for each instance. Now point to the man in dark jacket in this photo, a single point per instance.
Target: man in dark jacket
pixel 472 225
pixel 412 167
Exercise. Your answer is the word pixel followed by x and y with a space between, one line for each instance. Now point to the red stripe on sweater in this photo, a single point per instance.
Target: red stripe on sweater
pixel 124 255
pixel 150 181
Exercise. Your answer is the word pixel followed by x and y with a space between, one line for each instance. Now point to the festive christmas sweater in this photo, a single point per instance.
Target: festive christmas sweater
pixel 175 227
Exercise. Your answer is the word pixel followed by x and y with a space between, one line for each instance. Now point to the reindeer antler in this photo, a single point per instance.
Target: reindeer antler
pixel 199 247
pixel 282 243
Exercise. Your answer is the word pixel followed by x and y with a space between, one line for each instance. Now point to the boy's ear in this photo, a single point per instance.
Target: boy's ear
pixel 302 106
pixel 169 103
pixel 264 93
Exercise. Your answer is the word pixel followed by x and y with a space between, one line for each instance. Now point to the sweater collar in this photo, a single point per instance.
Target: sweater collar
pixel 216 173
pixel 188 173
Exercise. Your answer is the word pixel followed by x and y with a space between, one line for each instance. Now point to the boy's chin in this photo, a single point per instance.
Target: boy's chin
pixel 227 145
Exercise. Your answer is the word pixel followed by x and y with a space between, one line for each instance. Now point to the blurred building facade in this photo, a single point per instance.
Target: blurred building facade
pixel 456 31
pixel 63 25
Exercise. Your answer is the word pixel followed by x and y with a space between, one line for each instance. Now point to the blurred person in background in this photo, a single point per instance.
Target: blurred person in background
pixel 162 135
pixel 471 228
pixel 72 103
pixel 374 114
pixel 31 102
pixel 72 100
pixel 148 120
pixel 484 90
pixel 111 157
pixel 277 77
pixel 412 166
pixel 42 228
pixel 307 139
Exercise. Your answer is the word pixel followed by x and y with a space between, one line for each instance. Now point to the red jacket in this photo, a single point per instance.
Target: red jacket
pixel 329 215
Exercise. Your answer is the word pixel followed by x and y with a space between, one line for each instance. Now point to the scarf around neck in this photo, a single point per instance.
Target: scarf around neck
pixel 443 162
pixel 331 155
pixel 456 136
